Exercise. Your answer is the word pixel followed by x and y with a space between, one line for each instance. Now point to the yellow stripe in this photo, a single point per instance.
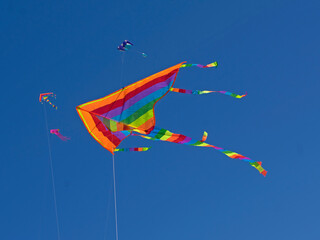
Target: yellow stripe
pixel 142 119
pixel 166 136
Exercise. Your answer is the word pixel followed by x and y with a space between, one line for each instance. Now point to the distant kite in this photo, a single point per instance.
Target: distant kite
pixel 126 45
pixel 57 132
pixel 44 97
pixel 130 111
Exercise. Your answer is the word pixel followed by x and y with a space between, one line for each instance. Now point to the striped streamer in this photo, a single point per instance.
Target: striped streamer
pixel 214 64
pixel 199 92
pixel 204 137
pixel 161 134
pixel 139 149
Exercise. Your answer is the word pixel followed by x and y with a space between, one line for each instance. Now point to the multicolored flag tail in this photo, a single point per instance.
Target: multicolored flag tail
pixel 138 149
pixel 199 92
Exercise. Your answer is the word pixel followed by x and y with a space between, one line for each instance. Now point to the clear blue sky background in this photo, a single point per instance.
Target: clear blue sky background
pixel 268 48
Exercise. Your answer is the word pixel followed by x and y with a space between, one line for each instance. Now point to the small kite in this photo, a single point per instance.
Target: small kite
pixel 130 111
pixel 126 45
pixel 57 132
pixel 44 97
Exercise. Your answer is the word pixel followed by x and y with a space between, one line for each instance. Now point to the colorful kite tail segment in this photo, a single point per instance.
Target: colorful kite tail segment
pixel 161 134
pixel 214 64
pixel 258 166
pixel 199 92
pixel 235 155
pixel 204 137
pixel 231 94
pixel 138 149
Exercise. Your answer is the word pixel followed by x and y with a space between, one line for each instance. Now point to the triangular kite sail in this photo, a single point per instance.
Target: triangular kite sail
pixel 111 119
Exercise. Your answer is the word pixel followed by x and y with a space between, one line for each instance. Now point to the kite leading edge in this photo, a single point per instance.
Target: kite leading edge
pixel 130 111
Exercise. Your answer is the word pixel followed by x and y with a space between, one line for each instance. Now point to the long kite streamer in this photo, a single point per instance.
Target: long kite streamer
pixel 130 111
pixel 199 92
pixel 214 64
pixel 138 149
pixel 165 135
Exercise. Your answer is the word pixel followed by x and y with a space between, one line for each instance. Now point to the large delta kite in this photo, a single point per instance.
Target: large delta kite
pixel 130 111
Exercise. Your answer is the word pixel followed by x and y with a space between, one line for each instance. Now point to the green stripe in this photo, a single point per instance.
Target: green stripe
pixel 161 133
pixel 140 112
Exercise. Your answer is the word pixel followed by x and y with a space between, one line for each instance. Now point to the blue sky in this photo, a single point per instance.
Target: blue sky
pixel 268 48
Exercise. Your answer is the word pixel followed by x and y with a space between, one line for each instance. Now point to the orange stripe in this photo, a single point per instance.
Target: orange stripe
pixel 120 94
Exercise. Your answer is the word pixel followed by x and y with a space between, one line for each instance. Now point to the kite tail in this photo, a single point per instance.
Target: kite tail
pixel 63 138
pixel 214 64
pixel 204 137
pixel 179 90
pixel 138 149
pixel 161 134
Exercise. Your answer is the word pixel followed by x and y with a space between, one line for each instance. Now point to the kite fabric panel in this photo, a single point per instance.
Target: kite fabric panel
pixel 199 92
pixel 57 132
pixel 130 111
pixel 44 97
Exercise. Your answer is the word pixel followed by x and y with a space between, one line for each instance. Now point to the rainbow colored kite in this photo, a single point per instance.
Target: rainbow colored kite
pixel 130 111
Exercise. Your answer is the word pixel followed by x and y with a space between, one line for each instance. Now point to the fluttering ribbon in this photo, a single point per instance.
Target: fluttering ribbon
pixel 204 137
pixel 199 92
pixel 214 64
pixel 161 134
pixel 138 149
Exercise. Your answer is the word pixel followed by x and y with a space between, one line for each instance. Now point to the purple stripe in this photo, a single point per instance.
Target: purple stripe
pixel 138 97
pixel 119 135
pixel 186 140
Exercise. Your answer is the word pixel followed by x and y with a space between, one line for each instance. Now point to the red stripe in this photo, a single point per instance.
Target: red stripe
pixel 179 139
pixel 120 102
pixel 99 125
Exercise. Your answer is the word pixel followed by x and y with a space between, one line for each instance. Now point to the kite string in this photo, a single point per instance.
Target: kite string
pixel 108 210
pixel 115 196
pixel 122 68
pixel 52 175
